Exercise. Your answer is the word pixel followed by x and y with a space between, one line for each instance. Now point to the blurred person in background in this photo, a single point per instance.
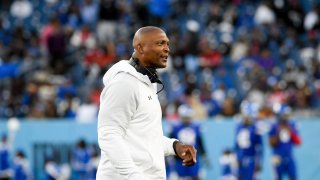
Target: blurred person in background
pixel 130 133
pixel 87 111
pixel 83 38
pixel 189 132
pixel 89 12
pixel 283 137
pixel 229 165
pixel 55 171
pixel 21 9
pixel 211 104
pixel 248 145
pixel 5 170
pixel 108 22
pixel 192 99
pixel 21 167
pixel 56 41
pixel 93 165
pixel 80 160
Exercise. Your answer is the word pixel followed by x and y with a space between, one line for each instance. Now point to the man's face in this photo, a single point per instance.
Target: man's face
pixel 247 120
pixel 156 50
pixel 186 120
pixel 283 119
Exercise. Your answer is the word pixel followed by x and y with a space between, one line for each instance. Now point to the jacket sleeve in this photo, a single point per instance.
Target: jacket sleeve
pixel 117 105
pixel 168 146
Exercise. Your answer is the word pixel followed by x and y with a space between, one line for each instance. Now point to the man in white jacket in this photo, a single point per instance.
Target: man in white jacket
pixel 129 123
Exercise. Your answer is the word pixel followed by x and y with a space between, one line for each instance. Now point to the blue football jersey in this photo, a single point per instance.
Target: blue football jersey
pixel 285 144
pixel 4 157
pixel 188 134
pixel 248 141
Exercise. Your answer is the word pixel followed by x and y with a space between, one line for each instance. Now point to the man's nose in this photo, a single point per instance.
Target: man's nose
pixel 167 49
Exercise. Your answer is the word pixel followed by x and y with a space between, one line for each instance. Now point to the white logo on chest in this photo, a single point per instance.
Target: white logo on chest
pixel 243 138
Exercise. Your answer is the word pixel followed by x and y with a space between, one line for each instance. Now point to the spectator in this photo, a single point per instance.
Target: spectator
pixel 277 95
pixel 21 167
pixel 107 24
pixel 312 19
pixel 74 19
pixel 266 61
pixel 5 170
pixel 89 12
pixel 48 30
pixel 68 106
pixel 21 9
pixel 193 100
pixel 229 165
pixel 87 112
pixel 210 57
pixel 80 160
pixel 55 171
pixel 264 14
pixel 83 38
pixel 212 106
pixel 57 48
pixel 158 11
pixel 295 16
pixel 103 55
pixel 239 49
pixel 93 165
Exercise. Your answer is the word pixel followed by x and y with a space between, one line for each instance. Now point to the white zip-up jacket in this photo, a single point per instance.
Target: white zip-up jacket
pixel 130 132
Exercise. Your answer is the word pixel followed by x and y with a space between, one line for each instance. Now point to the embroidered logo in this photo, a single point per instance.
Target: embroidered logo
pixel 149 97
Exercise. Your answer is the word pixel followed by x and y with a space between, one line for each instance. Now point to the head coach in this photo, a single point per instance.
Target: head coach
pixel 130 132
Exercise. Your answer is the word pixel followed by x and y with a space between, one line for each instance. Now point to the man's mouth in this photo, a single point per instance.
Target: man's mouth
pixel 164 57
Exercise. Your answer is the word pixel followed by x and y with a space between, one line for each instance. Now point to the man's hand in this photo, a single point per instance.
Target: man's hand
pixel 187 153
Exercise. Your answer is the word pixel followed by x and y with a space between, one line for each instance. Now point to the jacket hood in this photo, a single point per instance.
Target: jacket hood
pixel 123 66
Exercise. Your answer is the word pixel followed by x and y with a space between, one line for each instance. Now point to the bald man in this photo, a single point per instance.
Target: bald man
pixel 130 133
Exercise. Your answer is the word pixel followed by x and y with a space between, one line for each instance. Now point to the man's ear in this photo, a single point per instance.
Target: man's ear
pixel 140 48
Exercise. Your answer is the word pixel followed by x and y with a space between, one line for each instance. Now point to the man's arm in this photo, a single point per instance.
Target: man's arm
pixel 295 137
pixel 259 151
pixel 168 146
pixel 168 142
pixel 273 136
pixel 117 106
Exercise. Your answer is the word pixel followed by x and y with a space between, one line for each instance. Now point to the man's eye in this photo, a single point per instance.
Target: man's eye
pixel 162 43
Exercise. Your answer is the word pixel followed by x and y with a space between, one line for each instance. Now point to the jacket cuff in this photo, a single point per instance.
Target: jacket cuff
pixel 169 146
pixel 174 146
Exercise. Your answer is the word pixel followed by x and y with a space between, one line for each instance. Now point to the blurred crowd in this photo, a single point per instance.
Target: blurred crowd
pixel 53 54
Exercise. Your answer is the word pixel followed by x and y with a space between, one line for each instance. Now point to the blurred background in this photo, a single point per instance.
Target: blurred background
pixel 230 59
